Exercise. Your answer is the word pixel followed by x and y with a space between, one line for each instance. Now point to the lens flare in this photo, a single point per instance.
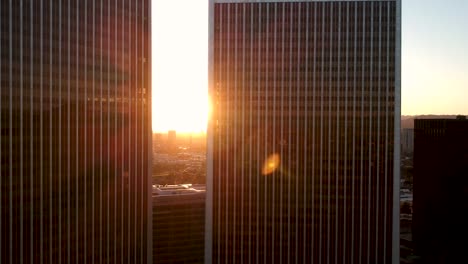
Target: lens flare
pixel 271 164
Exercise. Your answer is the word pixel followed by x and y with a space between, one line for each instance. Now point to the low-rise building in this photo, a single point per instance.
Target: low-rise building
pixel 178 223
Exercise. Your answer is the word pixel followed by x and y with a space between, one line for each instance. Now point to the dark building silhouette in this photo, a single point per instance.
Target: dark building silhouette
pixel 75 131
pixel 303 145
pixel 178 224
pixel 440 190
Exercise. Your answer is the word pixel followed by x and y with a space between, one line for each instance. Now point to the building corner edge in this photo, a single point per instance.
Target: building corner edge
pixel 209 138
pixel 396 155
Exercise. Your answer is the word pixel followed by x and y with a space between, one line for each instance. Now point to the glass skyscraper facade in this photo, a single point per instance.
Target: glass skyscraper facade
pixel 303 141
pixel 75 131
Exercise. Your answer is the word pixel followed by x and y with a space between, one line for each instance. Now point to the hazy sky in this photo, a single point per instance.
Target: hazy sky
pixel 434 60
pixel 435 57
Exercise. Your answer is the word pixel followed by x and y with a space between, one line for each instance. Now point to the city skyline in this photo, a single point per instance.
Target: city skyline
pixel 229 131
pixel 434 60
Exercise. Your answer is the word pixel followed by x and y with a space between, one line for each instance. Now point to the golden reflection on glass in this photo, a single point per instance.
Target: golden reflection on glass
pixel 271 164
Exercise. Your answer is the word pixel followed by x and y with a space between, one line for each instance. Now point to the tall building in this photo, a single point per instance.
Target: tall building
pixel 303 142
pixel 75 131
pixel 407 141
pixel 178 223
pixel 440 190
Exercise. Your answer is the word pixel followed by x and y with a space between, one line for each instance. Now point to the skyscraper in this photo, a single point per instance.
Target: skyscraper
pixel 303 143
pixel 440 187
pixel 407 141
pixel 75 131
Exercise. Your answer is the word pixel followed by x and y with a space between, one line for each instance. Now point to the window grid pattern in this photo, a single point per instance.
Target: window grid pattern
pixel 75 131
pixel 313 82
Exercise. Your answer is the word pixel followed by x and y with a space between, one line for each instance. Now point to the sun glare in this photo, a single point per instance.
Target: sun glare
pixel 179 66
pixel 271 164
pixel 183 113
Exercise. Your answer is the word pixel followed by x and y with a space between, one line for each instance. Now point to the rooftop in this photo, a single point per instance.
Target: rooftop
pixel 178 189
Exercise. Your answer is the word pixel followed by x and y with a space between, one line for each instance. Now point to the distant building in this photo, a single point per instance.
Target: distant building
pixel 171 139
pixel 178 223
pixel 440 190
pixel 407 141
pixel 157 141
pixel 157 138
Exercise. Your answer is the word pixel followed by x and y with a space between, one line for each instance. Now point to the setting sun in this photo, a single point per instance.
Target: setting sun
pixel 179 66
